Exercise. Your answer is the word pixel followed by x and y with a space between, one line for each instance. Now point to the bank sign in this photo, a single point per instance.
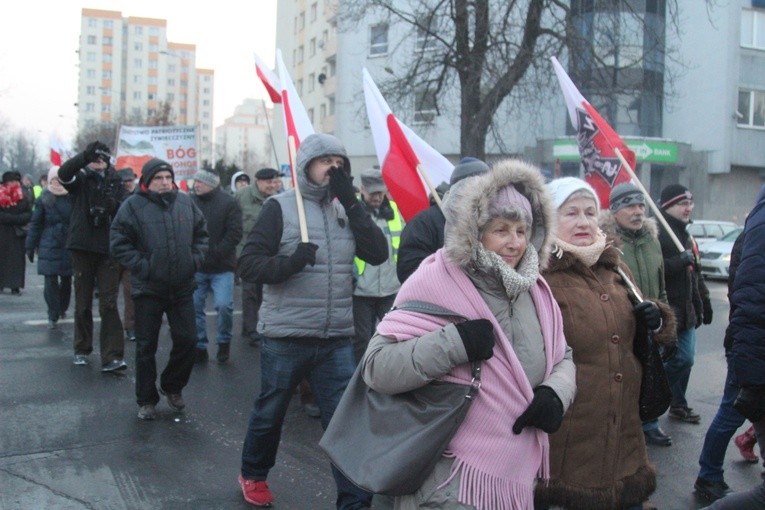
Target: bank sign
pixel 646 151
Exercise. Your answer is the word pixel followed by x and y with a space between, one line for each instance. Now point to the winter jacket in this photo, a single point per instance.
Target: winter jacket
pixel 251 202
pixel 422 236
pixel 316 300
pixel 598 457
pixel 13 219
pixel 48 232
pixel 381 281
pixel 162 240
pixel 747 323
pixel 641 252
pixel 224 226
pixel 97 196
pixel 687 293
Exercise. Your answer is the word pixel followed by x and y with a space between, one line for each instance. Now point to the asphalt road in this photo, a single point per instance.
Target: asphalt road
pixel 70 439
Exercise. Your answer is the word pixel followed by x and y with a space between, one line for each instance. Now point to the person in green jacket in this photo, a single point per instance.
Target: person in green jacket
pixel 641 251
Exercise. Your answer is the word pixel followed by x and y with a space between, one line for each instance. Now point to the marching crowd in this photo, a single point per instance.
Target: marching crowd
pixel 575 315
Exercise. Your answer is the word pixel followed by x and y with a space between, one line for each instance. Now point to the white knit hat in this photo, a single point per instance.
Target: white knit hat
pixel 562 188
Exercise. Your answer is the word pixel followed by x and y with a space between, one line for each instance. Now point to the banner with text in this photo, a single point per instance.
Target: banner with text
pixel 178 145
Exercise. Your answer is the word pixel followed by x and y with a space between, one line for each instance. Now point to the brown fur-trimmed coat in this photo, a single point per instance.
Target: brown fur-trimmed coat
pixel 598 457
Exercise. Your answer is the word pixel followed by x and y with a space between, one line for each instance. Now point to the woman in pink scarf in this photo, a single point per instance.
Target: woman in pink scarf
pixel 498 228
pixel 15 212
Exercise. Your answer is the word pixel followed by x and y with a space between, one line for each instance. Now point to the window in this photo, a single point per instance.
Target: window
pixel 426 40
pixel 151 96
pixel 332 105
pixel 92 23
pixel 424 106
pixel 301 21
pixel 136 111
pixel 751 108
pixel 90 107
pixel 107 57
pixel 106 40
pixel 90 73
pixel 378 39
pixel 91 39
pixel 137 78
pixel 106 75
pixel 108 23
pixel 105 108
pixel 300 54
pixel 170 96
pixel 171 68
pixel 299 86
pixel 138 31
pixel 152 80
pixel 106 92
pixel 154 47
pixel 206 102
pixel 171 82
pixel 138 46
pixel 153 30
pixel 137 63
pixel 153 64
pixel 310 115
pixel 753 28
pixel 137 94
pixel 311 82
pixel 322 111
pixel 90 57
pixel 312 47
pixel 90 90
pixel 206 90
pixel 314 10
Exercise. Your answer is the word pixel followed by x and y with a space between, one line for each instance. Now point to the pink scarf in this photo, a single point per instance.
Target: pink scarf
pixel 10 194
pixel 497 468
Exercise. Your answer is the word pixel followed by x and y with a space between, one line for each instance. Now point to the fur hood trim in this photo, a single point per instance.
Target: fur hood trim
pixel 608 225
pixel 467 209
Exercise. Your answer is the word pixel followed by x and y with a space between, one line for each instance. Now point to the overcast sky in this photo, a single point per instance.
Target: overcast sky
pixel 39 38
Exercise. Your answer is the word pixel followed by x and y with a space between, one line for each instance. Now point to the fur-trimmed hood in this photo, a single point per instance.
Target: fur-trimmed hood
pixel 607 224
pixel 467 209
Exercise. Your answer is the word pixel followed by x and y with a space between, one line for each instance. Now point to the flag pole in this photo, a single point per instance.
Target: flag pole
pixel 650 201
pixel 298 195
pixel 430 186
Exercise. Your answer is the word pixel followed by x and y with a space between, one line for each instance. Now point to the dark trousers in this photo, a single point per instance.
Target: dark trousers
pixel 367 312
pixel 175 376
pixel 91 269
pixel 57 293
pixel 128 308
pixel 252 297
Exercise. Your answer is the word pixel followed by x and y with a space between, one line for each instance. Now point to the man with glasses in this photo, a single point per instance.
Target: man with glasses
pixel 686 293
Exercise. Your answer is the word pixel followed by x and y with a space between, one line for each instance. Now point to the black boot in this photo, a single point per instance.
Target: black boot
pixel 223 353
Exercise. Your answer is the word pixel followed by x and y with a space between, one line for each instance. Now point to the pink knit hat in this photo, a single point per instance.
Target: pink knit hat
pixel 509 198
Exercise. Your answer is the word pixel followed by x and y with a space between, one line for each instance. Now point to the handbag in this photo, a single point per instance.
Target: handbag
pixel 389 444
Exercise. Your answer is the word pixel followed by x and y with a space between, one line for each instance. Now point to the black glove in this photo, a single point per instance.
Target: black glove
pixel 750 402
pixel 31 255
pixel 341 184
pixel 545 412
pixel 707 312
pixel 667 351
pixel 687 258
pixel 96 151
pixel 305 254
pixel 478 337
pixel 649 314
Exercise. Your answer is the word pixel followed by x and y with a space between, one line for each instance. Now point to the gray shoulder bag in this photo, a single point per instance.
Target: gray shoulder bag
pixel 389 444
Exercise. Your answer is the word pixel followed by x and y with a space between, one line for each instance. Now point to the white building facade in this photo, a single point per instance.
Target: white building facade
pixel 245 139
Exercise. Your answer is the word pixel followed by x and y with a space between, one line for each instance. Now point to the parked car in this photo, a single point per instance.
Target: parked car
pixel 715 255
pixel 705 231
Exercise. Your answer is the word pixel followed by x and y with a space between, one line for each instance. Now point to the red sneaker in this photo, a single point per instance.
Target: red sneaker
pixel 256 492
pixel 745 443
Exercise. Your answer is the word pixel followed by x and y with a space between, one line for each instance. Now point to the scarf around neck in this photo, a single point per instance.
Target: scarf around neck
pixel 587 255
pixel 514 281
pixel 10 194
pixel 497 468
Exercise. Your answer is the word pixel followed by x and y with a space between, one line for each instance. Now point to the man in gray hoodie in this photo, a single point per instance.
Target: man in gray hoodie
pixel 306 319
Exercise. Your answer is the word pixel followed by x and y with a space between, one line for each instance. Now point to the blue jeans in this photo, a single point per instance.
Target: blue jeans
pixel 753 499
pixel 222 287
pixel 678 368
pixel 725 423
pixel 284 362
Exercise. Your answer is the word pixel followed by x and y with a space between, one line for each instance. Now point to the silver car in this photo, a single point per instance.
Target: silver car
pixel 715 255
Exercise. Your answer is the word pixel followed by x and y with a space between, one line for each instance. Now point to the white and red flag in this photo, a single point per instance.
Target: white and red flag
pixel 59 151
pixel 400 151
pixel 269 79
pixel 597 141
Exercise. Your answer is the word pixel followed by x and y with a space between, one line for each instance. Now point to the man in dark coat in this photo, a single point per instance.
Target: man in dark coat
pixel 686 293
pixel 161 237
pixel 15 213
pixel 97 191
pixel 224 224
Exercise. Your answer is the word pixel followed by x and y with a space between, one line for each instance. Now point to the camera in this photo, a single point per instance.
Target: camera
pixel 98 216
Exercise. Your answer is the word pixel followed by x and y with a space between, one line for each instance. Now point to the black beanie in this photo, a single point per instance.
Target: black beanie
pixel 674 193
pixel 153 166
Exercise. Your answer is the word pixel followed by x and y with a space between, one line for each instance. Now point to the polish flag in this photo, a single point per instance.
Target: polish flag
pixel 295 117
pixel 400 151
pixel 59 152
pixel 596 139
pixel 269 79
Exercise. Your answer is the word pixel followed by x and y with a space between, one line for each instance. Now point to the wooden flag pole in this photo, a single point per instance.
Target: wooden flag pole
pixel 298 195
pixel 430 186
pixel 650 201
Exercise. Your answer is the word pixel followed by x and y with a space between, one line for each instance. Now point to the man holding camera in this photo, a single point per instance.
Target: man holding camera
pixel 97 191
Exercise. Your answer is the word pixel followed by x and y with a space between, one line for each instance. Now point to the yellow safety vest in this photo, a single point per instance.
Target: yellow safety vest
pixel 395 226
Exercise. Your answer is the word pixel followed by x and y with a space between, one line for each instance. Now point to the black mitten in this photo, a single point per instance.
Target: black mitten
pixel 707 312
pixel 649 314
pixel 478 337
pixel 750 402
pixel 305 254
pixel 96 151
pixel 687 258
pixel 545 412
pixel 341 183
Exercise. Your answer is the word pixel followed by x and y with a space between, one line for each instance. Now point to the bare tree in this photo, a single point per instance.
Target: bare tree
pixel 497 52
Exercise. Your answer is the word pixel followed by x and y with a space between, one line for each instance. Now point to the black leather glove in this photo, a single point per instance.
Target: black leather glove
pixel 478 337
pixel 707 312
pixel 96 151
pixel 31 255
pixel 649 314
pixel 341 184
pixel 544 412
pixel 687 258
pixel 305 254
pixel 750 402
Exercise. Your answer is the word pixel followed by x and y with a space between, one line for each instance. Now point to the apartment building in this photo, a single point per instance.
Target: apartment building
pixel 705 129
pixel 129 71
pixel 245 139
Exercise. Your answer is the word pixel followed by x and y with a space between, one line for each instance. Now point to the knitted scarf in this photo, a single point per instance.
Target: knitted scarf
pixel 588 255
pixel 497 469
pixel 10 194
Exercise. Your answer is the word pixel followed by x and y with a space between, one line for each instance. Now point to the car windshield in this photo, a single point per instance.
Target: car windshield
pixel 732 235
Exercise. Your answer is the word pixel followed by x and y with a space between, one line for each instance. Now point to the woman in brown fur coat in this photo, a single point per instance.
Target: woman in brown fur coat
pixel 598 458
